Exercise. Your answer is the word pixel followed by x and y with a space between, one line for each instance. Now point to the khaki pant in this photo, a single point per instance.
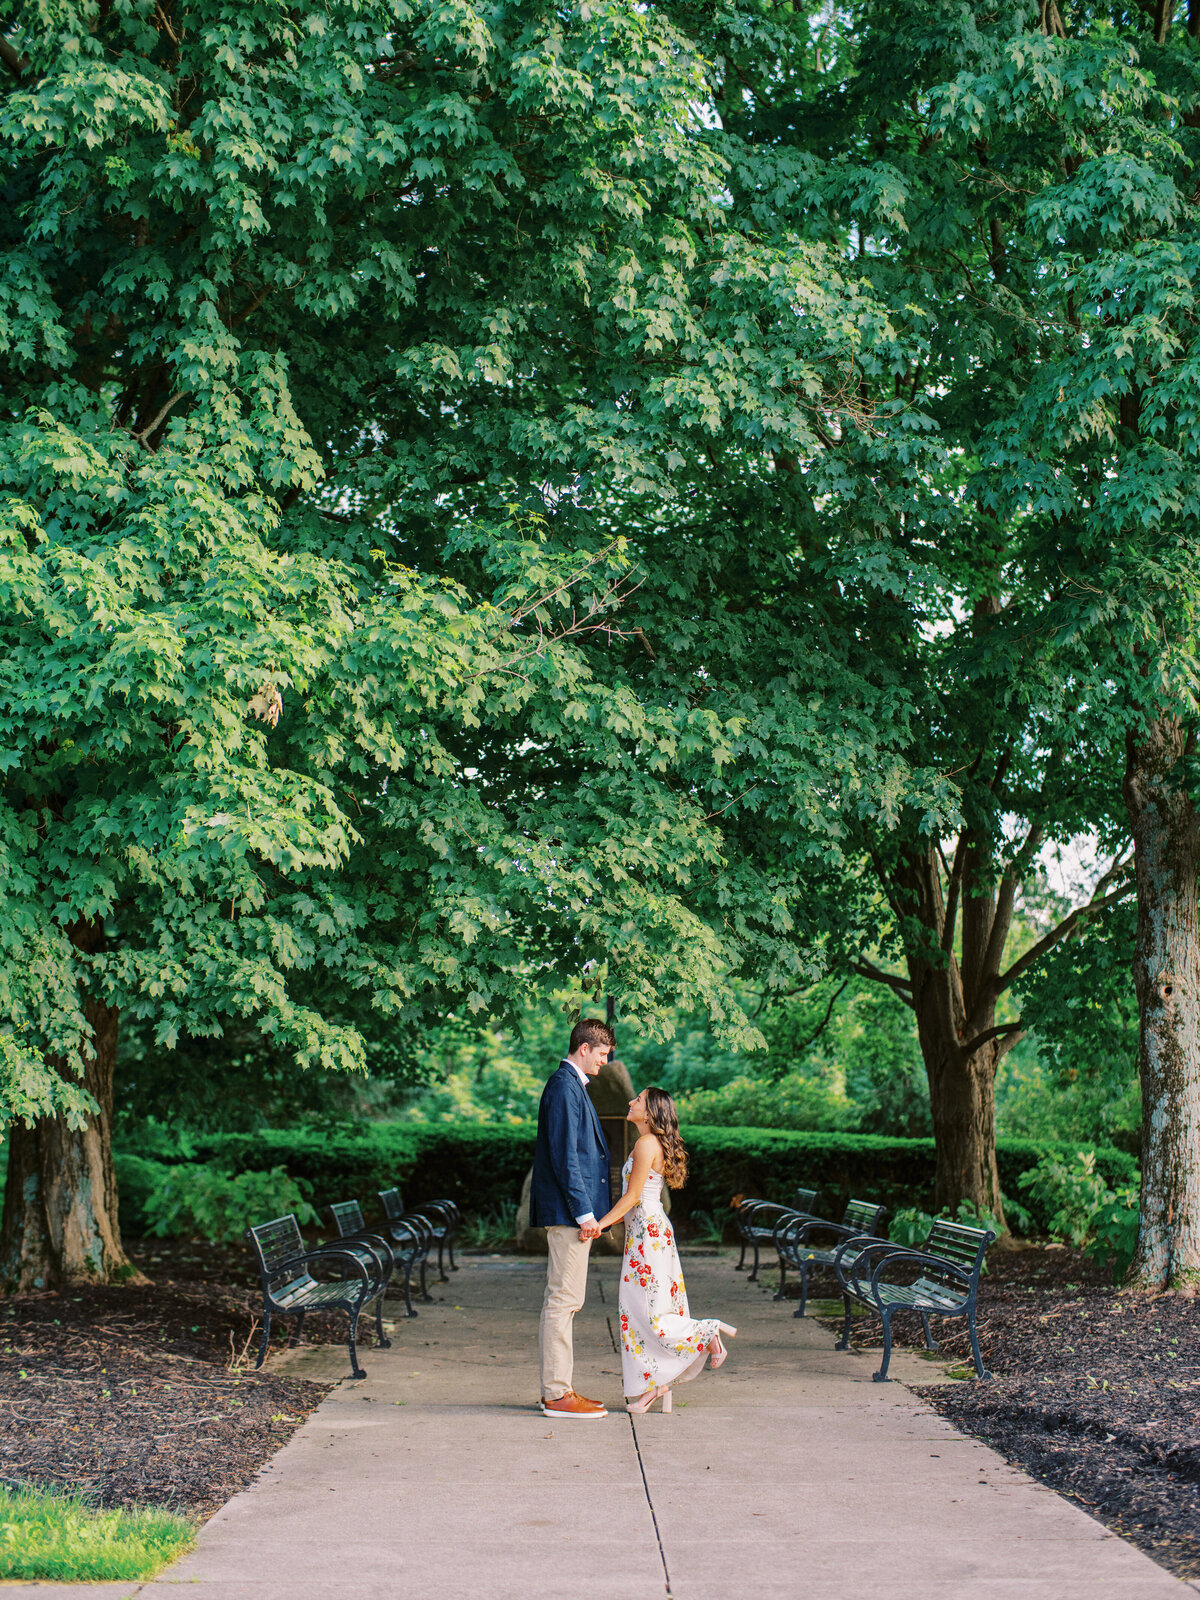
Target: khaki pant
pixel 566 1285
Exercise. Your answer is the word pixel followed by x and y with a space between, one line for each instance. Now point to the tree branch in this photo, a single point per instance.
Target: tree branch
pixel 897 985
pixel 1019 968
pixel 824 1022
pixel 15 62
pixel 1000 1031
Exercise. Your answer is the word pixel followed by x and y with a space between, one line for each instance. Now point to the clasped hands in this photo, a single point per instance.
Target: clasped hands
pixel 589 1230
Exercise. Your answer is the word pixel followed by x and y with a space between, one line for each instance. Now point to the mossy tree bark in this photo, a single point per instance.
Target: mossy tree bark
pixel 1166 970
pixel 60 1198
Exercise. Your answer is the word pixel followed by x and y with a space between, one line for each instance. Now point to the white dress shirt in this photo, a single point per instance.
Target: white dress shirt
pixel 588 1216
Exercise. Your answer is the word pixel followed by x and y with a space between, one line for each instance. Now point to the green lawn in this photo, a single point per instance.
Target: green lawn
pixel 44 1534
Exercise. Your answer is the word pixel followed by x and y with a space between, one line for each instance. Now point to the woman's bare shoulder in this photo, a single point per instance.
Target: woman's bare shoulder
pixel 649 1145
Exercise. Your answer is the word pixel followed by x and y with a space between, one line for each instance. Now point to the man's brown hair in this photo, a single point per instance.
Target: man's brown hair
pixel 590 1030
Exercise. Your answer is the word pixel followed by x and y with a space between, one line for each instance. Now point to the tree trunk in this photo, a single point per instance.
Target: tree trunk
pixel 60 1198
pixel 962 1099
pixel 1166 972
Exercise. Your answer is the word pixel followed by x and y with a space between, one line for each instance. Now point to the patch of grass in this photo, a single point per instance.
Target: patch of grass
pixel 46 1534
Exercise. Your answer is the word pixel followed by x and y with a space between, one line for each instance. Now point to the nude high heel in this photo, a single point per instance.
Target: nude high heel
pixel 644 1401
pixel 717 1353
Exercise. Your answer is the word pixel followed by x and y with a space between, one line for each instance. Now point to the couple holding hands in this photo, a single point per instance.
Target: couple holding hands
pixel 661 1343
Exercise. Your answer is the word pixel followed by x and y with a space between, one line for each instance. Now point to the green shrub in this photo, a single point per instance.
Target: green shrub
pixel 137 1179
pixel 898 1173
pixel 1084 1209
pixel 493 1229
pixel 1069 1191
pixel 482 1168
pixel 45 1534
pixel 478 1167
pixel 194 1201
pixel 911 1228
pixel 1115 1226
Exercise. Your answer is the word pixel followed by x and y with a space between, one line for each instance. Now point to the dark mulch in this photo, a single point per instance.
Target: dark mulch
pixel 147 1396
pixel 1096 1393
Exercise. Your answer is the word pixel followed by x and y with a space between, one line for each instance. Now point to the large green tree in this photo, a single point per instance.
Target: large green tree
pixel 331 341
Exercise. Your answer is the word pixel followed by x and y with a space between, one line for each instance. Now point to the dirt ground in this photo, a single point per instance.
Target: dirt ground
pixel 147 1396
pixel 1093 1392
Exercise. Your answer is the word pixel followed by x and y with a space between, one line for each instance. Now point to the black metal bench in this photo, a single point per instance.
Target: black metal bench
pixel 442 1217
pixel 871 1271
pixel 805 1245
pixel 408 1245
pixel 289 1288
pixel 756 1221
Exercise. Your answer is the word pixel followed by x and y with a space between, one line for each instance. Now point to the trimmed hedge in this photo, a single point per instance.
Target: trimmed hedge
pixel 770 1163
pixel 480 1166
pixel 474 1165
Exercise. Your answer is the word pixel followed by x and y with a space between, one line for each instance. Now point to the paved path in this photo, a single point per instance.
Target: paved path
pixel 788 1473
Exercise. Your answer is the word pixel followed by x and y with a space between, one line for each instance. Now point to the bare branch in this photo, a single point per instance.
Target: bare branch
pixel 900 986
pixel 12 59
pixel 1019 968
pixel 153 426
pixel 824 1022
pixel 1001 1031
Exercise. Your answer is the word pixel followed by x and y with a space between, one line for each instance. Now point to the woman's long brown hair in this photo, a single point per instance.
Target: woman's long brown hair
pixel 664 1124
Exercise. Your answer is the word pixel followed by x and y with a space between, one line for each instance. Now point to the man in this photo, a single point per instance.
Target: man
pixel 569 1191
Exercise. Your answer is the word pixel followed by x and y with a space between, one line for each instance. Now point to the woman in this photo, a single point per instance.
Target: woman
pixel 661 1343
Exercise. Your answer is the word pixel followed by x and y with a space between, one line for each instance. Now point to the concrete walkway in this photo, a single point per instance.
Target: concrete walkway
pixel 787 1473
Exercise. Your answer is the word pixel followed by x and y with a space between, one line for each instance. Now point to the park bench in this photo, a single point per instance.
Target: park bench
pixel 290 1289
pixel 442 1217
pixel 947 1267
pixel 408 1246
pixel 804 1244
pixel 757 1220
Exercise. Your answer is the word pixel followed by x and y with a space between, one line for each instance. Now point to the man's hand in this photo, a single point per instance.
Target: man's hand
pixel 589 1230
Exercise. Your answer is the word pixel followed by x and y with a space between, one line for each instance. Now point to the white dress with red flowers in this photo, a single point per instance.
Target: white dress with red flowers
pixel 660 1343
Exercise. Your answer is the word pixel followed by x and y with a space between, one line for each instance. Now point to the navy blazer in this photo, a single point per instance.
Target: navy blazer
pixel 570 1159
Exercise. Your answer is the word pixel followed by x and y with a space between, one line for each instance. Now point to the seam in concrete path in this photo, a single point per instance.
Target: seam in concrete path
pixel 637 1450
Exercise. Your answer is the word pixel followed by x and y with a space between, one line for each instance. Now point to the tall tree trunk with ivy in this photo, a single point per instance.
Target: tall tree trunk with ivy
pixel 1166 971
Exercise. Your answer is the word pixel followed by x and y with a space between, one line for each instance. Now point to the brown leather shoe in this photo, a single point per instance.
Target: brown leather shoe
pixel 572 1405
pixel 586 1401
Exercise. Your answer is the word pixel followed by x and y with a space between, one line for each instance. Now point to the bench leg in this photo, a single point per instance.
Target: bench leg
pixel 264 1344
pixel 753 1278
pixel 980 1370
pixel 881 1376
pixel 799 1311
pixel 409 1309
pixel 450 1249
pixel 297 1330
pixel 425 1294
pixel 844 1342
pixel 930 1342
pixel 779 1294
pixel 355 1370
pixel 380 1337
pixel 741 1259
pixel 441 1262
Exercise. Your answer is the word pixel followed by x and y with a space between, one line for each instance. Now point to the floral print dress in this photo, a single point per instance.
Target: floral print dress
pixel 660 1343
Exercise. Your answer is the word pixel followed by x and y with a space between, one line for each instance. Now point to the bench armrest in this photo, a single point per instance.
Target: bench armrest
pixel 805 1227
pixel 920 1258
pixel 858 1248
pixel 326 1252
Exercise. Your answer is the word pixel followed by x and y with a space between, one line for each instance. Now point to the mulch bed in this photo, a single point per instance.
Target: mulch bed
pixel 1095 1393
pixel 147 1396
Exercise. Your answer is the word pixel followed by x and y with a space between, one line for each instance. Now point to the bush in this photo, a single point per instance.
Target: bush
pixel 478 1167
pixel 193 1201
pixel 1083 1209
pixel 898 1173
pixel 482 1168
